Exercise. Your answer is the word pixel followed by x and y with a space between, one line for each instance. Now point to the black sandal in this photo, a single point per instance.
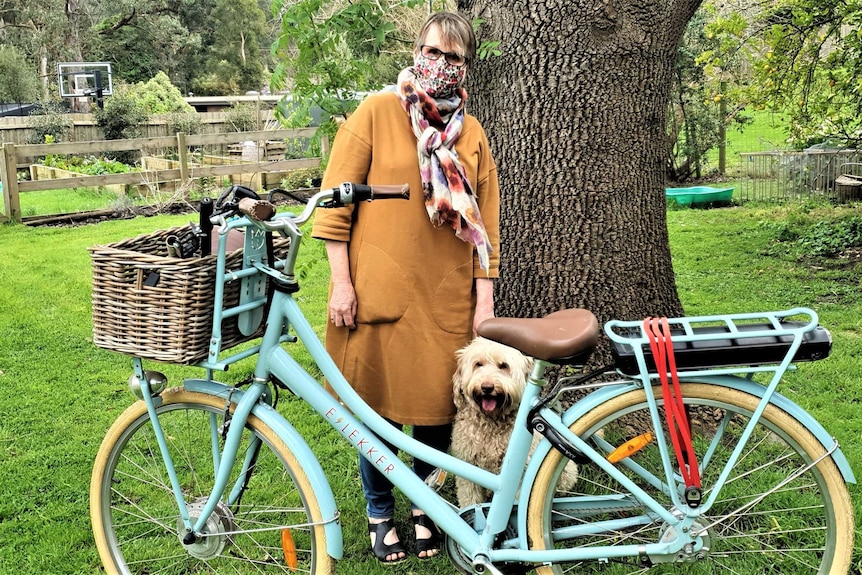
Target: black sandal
pixel 380 549
pixel 428 544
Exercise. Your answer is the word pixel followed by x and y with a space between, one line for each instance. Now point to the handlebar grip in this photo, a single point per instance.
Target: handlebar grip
pixel 349 193
pixel 259 210
pixel 390 192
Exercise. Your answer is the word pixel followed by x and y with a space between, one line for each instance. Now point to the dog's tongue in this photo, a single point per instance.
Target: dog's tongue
pixel 489 404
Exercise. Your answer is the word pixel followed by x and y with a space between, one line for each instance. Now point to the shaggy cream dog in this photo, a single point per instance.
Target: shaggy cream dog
pixel 488 383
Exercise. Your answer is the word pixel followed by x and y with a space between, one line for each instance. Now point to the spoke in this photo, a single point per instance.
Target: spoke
pixel 777 488
pixel 143 512
pixel 154 481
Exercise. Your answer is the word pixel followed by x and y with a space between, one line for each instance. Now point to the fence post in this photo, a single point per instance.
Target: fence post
pixel 324 147
pixel 722 129
pixel 183 155
pixel 9 177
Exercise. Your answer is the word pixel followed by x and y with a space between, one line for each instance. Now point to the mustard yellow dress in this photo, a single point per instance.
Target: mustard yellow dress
pixel 413 281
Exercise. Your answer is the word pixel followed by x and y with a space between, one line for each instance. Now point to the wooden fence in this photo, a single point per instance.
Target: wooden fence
pixel 83 128
pixel 14 157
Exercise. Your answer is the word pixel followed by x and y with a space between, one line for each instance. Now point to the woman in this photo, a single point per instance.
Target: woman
pixel 411 280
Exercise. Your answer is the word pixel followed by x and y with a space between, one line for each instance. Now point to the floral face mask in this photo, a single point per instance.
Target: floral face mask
pixel 438 78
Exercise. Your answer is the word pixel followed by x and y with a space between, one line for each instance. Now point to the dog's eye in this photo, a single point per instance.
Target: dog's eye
pixel 504 366
pixel 477 365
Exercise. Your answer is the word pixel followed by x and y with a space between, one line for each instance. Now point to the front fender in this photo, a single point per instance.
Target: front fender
pixel 604 394
pixel 300 449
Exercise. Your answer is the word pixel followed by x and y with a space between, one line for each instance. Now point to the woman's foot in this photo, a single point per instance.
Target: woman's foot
pixel 428 537
pixel 384 541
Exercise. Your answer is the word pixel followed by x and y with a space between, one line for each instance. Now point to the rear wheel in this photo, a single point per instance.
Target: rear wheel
pixel 275 526
pixel 803 526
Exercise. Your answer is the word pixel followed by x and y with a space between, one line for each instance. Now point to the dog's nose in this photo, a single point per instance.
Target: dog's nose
pixel 488 388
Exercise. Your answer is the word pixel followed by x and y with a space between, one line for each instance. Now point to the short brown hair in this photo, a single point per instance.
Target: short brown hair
pixel 454 28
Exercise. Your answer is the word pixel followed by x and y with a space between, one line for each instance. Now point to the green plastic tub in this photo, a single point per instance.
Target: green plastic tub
pixel 699 195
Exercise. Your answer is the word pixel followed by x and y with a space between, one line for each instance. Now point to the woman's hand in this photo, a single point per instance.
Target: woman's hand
pixel 342 301
pixel 484 302
pixel 342 305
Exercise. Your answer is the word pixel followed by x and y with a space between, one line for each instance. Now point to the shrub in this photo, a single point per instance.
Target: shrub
pixel 121 118
pixel 305 178
pixel 242 117
pixel 185 122
pixel 19 81
pixel 803 235
pixel 122 115
pixel 159 96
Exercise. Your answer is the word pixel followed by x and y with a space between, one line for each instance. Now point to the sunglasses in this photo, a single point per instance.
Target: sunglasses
pixel 433 53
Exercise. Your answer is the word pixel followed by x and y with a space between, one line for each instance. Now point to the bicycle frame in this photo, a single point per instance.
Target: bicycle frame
pixel 365 431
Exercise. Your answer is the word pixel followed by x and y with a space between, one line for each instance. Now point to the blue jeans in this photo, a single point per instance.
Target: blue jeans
pixel 378 489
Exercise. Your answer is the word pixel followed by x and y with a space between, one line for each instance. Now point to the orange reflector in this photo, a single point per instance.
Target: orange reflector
pixel 289 549
pixel 629 448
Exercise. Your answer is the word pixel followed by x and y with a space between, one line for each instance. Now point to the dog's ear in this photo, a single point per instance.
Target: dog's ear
pixel 460 377
pixel 524 366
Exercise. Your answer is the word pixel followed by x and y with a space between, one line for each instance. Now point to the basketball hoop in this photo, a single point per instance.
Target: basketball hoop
pixel 85 80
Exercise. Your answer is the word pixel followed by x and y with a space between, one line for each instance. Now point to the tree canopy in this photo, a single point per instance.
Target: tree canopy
pixel 18 80
pixel 205 46
pixel 800 58
pixel 329 50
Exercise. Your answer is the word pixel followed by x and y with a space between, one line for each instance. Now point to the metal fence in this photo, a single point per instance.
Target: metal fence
pixel 778 176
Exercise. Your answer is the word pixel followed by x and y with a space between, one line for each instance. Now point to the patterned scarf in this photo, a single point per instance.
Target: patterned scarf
pixel 449 197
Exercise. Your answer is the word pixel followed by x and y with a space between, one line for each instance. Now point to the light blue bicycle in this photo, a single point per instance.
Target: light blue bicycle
pixel 696 466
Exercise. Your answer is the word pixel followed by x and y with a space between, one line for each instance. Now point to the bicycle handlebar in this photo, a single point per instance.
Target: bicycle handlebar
pixel 346 193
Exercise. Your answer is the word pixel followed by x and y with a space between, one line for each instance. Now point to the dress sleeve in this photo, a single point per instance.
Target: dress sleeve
pixel 349 161
pixel 488 199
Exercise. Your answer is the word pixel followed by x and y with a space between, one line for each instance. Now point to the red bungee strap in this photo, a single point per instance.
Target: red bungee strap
pixel 658 332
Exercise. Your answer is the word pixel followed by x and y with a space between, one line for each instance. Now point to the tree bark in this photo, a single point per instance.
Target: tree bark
pixel 575 109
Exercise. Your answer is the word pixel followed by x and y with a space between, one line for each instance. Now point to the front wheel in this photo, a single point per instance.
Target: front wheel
pixel 272 525
pixel 803 526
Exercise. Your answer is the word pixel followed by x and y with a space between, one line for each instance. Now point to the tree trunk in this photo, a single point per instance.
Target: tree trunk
pixel 43 73
pixel 73 46
pixel 575 109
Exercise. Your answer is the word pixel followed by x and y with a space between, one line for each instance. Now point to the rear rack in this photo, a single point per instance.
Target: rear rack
pixel 704 342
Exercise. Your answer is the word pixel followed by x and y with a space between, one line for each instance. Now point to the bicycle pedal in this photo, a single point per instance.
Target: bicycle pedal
pixel 436 479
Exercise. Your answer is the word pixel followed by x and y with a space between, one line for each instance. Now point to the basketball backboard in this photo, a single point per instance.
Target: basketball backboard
pixel 79 79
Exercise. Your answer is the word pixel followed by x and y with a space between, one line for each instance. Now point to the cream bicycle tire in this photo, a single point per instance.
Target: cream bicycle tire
pixel 135 518
pixel 817 510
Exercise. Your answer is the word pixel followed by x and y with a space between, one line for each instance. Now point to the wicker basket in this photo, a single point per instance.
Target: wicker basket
pixel 150 305
pixel 848 187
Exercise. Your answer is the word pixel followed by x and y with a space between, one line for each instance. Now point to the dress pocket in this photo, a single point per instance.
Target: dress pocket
pixel 454 301
pixel 382 289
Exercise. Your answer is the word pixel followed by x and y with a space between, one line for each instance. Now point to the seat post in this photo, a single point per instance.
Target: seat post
pixel 537 375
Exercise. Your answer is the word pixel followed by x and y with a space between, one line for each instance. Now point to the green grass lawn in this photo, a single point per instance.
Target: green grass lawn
pixel 72 200
pixel 766 132
pixel 66 201
pixel 61 393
